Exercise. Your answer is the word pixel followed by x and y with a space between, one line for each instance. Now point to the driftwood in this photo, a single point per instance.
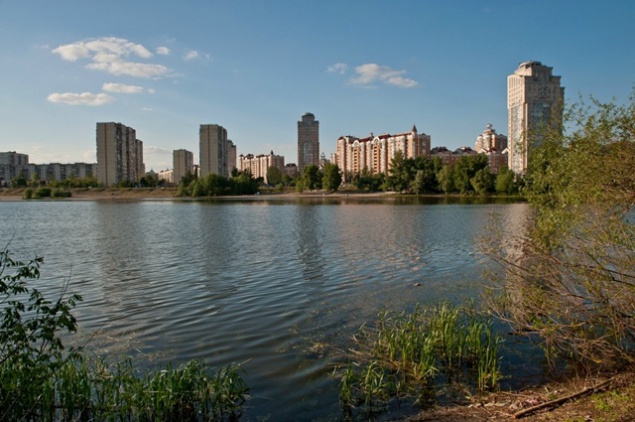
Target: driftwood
pixel 561 400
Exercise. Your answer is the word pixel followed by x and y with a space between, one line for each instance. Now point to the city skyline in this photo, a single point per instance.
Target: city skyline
pixel 360 67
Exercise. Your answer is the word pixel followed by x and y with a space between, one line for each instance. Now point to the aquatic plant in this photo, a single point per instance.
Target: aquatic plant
pixel 410 353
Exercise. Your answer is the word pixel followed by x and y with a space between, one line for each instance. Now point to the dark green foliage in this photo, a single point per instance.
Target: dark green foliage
pixel 402 172
pixel 506 182
pixel 332 178
pixel 310 179
pixel 216 185
pixel 19 181
pixel 60 193
pixel 42 192
pixel 274 176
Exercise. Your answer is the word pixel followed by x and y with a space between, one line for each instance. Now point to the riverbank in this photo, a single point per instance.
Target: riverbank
pixel 571 399
pixel 170 193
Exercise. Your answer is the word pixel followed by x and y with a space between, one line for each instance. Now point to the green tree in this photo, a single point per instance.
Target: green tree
pixel 274 176
pixel 332 177
pixel 427 180
pixel 35 180
pixel 19 181
pixel 445 178
pixel 310 179
pixel 568 279
pixel 505 182
pixel 483 181
pixel 402 171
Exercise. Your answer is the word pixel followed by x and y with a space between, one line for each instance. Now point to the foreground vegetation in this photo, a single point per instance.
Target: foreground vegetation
pixel 414 355
pixel 42 380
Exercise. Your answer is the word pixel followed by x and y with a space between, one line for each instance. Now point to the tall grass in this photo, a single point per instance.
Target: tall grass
pixel 407 354
pixel 95 390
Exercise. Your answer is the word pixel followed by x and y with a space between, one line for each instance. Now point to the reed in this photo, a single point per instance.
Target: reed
pixel 409 353
pixel 95 390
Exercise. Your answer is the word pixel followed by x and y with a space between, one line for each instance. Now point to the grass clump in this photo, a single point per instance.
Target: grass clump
pixel 42 380
pixel 412 354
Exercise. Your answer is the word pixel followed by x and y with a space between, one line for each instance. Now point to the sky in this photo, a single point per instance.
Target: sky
pixel 255 67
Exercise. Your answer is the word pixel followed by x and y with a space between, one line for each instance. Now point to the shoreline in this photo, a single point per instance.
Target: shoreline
pixel 169 194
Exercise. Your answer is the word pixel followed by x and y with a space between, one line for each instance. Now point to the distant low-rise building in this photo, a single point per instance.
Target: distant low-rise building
pixel 167 175
pixel 13 164
pixel 375 153
pixel 450 157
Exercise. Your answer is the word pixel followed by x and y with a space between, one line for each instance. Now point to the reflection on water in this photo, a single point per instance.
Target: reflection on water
pixel 278 286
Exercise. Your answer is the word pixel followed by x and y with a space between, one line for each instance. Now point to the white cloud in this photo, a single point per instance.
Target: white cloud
pixel 191 55
pixel 338 68
pixel 84 99
pixel 122 88
pixel 110 54
pixel 370 73
pixel 164 51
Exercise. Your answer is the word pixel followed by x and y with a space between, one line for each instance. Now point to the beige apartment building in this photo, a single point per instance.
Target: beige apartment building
pixel 494 145
pixel 182 162
pixel 258 165
pixel 534 102
pixel 119 154
pixel 376 152
pixel 215 150
pixel 308 141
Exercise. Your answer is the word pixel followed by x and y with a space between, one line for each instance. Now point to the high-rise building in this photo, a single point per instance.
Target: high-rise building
pixel 119 154
pixel 308 141
pixel 534 102
pixel 182 162
pixel 213 150
pixel 231 157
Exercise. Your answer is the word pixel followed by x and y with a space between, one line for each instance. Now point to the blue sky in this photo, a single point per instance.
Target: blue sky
pixel 255 67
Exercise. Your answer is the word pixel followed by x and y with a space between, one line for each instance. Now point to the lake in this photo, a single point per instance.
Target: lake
pixel 278 286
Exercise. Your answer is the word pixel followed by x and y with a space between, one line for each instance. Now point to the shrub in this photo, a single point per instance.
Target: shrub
pixel 60 193
pixel 42 192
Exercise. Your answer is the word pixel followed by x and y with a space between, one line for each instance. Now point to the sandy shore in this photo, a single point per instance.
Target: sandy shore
pixel 152 194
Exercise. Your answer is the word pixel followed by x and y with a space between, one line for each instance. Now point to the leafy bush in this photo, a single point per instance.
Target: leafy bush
pixel 42 192
pixel 60 193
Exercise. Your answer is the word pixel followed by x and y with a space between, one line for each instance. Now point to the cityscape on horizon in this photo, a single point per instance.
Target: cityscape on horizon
pixel 534 97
